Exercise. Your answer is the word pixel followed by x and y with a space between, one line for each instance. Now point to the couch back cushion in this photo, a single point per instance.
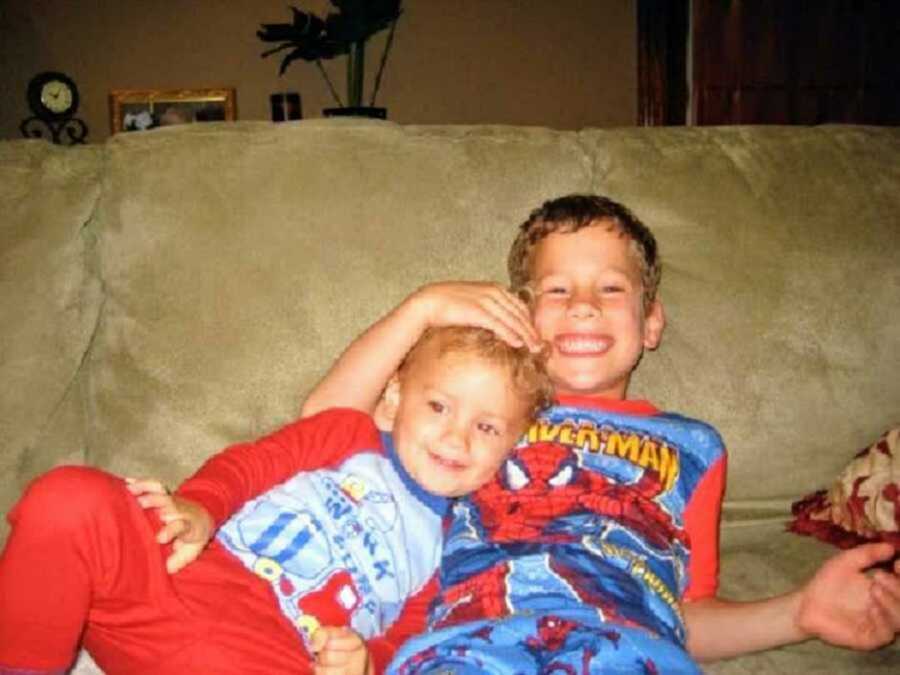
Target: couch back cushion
pixel 781 250
pixel 238 260
pixel 49 304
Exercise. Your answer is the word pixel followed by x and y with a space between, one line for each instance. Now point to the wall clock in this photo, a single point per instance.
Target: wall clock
pixel 53 99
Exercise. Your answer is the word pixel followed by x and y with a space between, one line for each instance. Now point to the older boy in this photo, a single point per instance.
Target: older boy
pixel 596 549
pixel 328 533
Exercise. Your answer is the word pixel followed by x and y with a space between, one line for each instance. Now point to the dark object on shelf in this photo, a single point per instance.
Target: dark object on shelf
pixel 357 111
pixel 286 106
pixel 53 98
pixel 346 31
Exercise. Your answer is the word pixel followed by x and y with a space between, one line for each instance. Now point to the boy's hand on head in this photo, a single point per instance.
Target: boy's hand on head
pixel 340 650
pixel 480 304
pixel 186 524
pixel 846 606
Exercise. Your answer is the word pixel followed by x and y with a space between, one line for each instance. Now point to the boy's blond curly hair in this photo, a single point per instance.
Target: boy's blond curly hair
pixel 572 213
pixel 527 371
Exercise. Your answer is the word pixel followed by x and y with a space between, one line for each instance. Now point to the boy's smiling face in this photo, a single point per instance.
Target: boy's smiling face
pixel 589 308
pixel 455 419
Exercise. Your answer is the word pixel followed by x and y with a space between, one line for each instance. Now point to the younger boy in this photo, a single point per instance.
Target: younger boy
pixel 328 533
pixel 595 549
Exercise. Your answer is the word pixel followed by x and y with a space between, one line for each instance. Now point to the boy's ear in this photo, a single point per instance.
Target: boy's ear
pixel 390 402
pixel 654 325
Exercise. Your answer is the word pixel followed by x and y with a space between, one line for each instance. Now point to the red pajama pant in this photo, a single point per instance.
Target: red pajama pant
pixel 82 566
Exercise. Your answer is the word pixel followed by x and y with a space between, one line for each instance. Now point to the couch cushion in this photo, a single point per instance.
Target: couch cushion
pixel 49 304
pixel 782 284
pixel 239 260
pixel 760 559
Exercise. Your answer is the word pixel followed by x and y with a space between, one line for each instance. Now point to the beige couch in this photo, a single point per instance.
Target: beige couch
pixel 172 291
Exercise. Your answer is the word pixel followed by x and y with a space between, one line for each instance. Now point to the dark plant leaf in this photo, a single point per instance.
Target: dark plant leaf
pixel 358 20
pixel 307 24
pixel 279 48
pixel 293 56
pixel 275 32
pixel 311 38
pixel 305 28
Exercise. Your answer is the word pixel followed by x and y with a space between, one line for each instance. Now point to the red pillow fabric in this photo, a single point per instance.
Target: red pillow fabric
pixel 862 505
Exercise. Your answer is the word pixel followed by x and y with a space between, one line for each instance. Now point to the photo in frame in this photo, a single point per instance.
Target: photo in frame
pixel 141 109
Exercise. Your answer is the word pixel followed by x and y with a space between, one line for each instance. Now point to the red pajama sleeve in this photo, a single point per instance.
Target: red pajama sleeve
pixel 701 520
pixel 244 471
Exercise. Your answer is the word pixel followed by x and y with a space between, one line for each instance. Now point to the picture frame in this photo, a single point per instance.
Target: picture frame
pixel 140 109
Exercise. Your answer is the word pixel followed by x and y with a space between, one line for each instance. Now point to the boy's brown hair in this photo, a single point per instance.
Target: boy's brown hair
pixel 527 371
pixel 572 213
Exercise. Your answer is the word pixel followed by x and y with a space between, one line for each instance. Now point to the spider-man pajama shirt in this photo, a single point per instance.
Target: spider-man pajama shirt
pixel 576 557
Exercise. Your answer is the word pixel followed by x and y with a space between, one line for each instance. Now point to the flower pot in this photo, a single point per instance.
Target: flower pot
pixel 357 111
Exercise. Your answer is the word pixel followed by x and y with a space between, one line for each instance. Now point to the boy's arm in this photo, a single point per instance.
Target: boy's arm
pixel 842 604
pixel 358 377
pixel 720 629
pixel 243 471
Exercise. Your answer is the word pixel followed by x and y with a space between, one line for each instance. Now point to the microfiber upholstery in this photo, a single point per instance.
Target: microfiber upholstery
pixel 782 281
pixel 49 304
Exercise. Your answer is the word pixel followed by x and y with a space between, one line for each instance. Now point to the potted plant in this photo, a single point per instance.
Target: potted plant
pixel 346 31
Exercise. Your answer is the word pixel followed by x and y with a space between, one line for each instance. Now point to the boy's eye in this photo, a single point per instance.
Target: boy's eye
pixel 437 406
pixel 613 289
pixel 489 429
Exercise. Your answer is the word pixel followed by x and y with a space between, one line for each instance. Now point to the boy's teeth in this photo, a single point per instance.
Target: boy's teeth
pixel 582 345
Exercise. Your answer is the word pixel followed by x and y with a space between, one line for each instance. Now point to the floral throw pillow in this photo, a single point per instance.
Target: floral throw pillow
pixel 863 504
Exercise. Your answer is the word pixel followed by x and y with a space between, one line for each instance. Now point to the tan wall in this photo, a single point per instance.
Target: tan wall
pixel 562 63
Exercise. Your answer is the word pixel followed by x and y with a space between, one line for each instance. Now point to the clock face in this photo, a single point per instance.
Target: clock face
pixel 56 96
pixel 52 96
